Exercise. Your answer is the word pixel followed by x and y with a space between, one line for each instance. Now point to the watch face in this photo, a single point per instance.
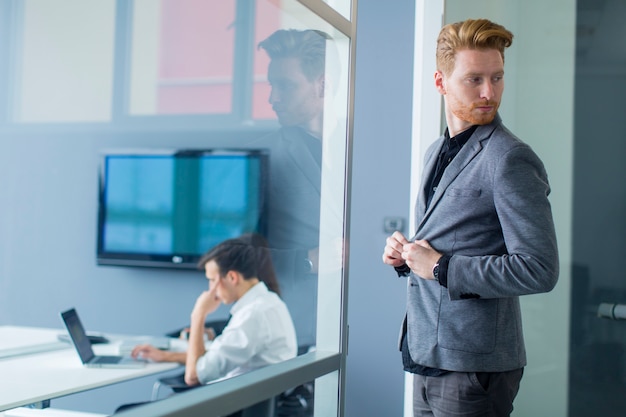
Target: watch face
pixel 436 271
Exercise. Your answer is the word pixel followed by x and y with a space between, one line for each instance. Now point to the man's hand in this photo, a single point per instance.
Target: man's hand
pixel 206 303
pixel 420 257
pixel 149 352
pixel 392 255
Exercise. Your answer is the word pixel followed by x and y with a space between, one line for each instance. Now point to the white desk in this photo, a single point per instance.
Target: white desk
pixel 36 377
pixel 18 341
pixel 46 412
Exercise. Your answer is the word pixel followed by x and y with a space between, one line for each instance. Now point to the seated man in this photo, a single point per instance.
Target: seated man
pixel 260 331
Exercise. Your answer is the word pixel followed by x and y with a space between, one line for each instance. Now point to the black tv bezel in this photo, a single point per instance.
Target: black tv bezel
pixel 180 261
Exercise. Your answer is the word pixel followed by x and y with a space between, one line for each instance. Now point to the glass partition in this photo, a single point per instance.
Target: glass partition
pixel 190 75
pixel 597 344
pixel 290 67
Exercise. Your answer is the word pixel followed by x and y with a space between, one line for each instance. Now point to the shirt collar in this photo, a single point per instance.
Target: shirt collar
pixel 252 294
pixel 462 138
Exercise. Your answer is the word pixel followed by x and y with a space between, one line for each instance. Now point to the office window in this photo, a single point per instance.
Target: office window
pixel 178 57
pixel 193 57
pixel 267 19
pixel 162 57
pixel 64 72
pixel 182 57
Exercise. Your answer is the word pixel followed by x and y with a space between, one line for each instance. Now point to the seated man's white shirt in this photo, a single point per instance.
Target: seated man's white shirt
pixel 260 332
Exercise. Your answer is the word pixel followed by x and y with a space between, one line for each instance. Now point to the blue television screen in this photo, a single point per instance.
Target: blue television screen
pixel 166 209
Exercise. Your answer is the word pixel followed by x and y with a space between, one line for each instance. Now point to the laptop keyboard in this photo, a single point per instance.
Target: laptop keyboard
pixel 107 359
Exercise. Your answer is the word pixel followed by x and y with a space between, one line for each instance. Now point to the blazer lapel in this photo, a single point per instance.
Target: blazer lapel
pixel 429 166
pixel 464 157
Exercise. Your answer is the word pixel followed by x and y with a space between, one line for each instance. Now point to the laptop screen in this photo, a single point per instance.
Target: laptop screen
pixel 78 335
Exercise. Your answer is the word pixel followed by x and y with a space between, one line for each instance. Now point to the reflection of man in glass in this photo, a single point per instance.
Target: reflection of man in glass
pixel 297 79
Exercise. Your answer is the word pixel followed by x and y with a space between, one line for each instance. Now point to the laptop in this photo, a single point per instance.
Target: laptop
pixel 81 342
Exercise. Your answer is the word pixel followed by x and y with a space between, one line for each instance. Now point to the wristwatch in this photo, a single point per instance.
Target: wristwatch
pixel 436 271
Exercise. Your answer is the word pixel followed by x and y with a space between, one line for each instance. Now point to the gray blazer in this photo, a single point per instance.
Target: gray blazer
pixel 491 213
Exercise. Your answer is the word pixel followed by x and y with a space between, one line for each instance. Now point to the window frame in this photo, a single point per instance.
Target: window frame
pixel 241 114
pixel 240 118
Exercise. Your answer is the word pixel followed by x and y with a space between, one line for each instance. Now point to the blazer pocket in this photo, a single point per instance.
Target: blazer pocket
pixel 468 325
pixel 463 192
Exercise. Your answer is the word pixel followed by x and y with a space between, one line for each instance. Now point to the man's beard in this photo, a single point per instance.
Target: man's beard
pixel 470 115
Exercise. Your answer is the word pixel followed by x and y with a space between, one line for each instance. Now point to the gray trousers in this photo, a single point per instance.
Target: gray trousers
pixel 466 394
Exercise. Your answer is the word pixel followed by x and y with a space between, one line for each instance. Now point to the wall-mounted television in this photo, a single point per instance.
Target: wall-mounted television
pixel 166 208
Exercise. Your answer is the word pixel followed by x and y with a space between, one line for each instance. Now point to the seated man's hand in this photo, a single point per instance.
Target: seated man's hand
pixel 149 352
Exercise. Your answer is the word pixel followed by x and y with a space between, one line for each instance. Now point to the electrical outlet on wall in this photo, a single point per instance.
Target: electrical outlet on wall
pixel 391 224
